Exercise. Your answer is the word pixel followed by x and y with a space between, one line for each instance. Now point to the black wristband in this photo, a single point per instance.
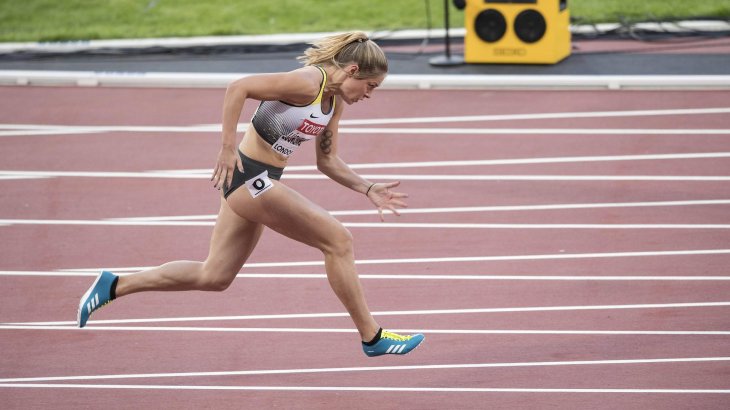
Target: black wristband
pixel 368 191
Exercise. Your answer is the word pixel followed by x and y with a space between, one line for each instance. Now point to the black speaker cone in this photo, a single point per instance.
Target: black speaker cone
pixel 530 26
pixel 490 25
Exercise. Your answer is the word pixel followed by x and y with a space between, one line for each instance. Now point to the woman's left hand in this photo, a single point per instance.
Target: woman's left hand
pixel 381 195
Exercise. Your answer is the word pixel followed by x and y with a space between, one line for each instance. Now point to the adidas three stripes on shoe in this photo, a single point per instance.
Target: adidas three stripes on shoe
pixel 98 295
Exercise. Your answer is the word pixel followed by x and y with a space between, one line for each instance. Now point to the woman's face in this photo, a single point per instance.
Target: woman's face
pixel 356 89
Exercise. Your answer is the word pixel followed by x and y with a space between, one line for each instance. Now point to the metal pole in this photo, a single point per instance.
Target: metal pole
pixel 448 59
pixel 446 25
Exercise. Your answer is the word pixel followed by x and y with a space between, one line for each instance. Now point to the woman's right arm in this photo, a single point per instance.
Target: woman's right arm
pixel 228 154
pixel 294 86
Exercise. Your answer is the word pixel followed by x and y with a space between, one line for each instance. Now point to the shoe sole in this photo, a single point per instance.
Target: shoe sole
pixel 83 298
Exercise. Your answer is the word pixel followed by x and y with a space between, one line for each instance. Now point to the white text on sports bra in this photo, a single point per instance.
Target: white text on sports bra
pixel 287 144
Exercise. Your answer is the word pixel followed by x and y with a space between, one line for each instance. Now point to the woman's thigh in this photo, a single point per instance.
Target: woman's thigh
pixel 291 214
pixel 232 242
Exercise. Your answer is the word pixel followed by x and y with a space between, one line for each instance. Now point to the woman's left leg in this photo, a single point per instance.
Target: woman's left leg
pixel 291 214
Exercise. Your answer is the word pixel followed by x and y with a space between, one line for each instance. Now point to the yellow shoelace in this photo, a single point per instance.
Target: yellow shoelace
pixel 394 336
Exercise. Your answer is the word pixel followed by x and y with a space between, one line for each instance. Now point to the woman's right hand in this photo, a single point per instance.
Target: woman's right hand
pixel 228 158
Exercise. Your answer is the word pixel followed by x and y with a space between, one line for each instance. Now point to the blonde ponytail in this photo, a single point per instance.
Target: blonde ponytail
pixel 342 49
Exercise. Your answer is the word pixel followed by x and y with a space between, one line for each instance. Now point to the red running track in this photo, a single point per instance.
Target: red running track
pixel 573 260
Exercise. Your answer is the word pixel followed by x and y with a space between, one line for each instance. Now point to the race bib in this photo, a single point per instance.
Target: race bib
pixel 287 144
pixel 259 184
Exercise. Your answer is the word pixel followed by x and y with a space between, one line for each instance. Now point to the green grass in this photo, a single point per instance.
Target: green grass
pixel 54 20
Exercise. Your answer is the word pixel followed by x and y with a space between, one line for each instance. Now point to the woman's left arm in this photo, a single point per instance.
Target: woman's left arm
pixel 330 164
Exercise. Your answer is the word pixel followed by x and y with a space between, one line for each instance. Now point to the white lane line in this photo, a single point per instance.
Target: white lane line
pixel 176 218
pixel 363 389
pixel 16 130
pixel 45 132
pixel 505 258
pixel 206 329
pixel 496 208
pixel 405 177
pixel 529 226
pixel 92 174
pixel 91 129
pixel 401 131
pixel 486 162
pixel 505 208
pixel 14 177
pixel 9 222
pixel 420 120
pixel 204 173
pixel 380 225
pixel 539 116
pixel 491 162
pixel 535 131
pixel 452 259
pixel 481 277
pixel 44 129
pixel 470 177
pixel 370 369
pixel 564 278
pixel 105 128
pixel 388 313
pixel 379 121
pixel 531 161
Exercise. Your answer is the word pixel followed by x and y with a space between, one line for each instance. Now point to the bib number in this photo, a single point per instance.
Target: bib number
pixel 259 184
pixel 287 144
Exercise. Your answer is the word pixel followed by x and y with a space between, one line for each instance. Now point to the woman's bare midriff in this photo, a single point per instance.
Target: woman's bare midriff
pixel 254 147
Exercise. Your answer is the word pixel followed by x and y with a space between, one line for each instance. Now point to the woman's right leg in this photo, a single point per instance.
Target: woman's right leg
pixel 232 242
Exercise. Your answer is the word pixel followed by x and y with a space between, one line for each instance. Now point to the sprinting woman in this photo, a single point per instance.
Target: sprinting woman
pixel 296 106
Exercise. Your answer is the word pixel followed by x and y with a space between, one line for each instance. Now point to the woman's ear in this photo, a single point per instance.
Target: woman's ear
pixel 351 70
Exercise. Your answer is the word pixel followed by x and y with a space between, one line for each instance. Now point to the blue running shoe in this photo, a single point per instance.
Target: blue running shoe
pixel 98 295
pixel 392 343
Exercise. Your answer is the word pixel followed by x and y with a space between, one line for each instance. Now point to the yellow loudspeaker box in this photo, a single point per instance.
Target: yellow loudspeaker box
pixel 516 31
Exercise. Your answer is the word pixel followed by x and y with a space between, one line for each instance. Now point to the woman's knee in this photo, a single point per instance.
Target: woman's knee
pixel 339 243
pixel 215 284
pixel 214 280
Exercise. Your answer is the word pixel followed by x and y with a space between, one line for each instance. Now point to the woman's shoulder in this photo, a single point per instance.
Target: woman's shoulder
pixel 310 74
pixel 298 87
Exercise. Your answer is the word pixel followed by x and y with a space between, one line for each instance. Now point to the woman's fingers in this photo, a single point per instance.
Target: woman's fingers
pixel 399 204
pixel 215 171
pixel 394 210
pixel 229 178
pixel 239 163
pixel 221 177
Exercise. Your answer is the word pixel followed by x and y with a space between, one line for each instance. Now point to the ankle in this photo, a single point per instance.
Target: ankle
pixel 374 339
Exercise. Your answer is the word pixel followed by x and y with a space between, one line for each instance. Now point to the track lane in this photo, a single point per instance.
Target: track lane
pixel 89 352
